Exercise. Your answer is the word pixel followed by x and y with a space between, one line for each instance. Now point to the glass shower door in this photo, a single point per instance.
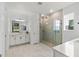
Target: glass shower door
pixel 57 32
pixel 51 28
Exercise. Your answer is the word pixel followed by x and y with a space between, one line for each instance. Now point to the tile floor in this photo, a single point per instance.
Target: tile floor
pixel 48 43
pixel 28 50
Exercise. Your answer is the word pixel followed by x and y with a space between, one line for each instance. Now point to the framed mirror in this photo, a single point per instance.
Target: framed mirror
pixel 15 26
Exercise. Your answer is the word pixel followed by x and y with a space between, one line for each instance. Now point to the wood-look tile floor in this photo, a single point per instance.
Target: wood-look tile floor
pixel 29 50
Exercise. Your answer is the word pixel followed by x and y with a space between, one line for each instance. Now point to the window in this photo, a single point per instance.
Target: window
pixel 69 21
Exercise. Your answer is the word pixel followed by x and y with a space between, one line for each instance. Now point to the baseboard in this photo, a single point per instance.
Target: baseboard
pixel 20 44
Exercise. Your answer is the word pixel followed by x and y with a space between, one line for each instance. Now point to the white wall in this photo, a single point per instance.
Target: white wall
pixel 13 11
pixel 34 29
pixel 69 35
pixel 2 29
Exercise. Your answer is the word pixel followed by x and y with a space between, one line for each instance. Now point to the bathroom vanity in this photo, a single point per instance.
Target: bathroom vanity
pixel 26 31
pixel 17 38
pixel 19 33
pixel 68 49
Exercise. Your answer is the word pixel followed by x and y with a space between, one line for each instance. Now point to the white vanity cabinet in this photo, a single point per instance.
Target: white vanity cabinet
pixel 17 39
pixel 18 33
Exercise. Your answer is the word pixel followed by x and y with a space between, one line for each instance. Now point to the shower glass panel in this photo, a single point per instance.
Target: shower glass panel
pixel 51 28
pixel 57 27
pixel 57 32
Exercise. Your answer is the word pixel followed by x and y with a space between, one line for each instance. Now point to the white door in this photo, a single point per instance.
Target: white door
pixel 34 32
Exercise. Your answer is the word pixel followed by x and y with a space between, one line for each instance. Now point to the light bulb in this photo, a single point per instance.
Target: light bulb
pixel 42 15
pixel 51 11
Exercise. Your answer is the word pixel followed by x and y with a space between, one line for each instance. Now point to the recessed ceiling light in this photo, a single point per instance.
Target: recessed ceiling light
pixel 40 3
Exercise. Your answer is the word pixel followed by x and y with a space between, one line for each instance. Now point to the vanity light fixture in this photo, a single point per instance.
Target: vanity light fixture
pixel 18 20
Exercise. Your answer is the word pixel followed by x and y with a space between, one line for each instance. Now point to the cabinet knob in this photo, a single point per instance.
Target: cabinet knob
pixel 27 32
pixel 20 37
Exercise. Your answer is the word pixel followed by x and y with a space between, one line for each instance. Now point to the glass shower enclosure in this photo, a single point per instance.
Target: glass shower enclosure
pixel 51 28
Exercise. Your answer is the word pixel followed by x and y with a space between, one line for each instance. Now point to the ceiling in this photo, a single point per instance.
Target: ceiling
pixel 36 8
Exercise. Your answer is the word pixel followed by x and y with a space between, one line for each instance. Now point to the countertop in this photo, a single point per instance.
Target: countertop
pixel 70 48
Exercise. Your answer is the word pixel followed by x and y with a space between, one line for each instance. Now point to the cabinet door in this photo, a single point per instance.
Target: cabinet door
pixel 27 38
pixel 20 39
pixel 12 40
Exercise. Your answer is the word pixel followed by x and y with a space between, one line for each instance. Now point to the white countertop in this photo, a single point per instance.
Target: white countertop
pixel 70 48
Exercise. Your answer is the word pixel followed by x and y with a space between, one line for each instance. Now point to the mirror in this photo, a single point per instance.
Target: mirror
pixel 15 26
